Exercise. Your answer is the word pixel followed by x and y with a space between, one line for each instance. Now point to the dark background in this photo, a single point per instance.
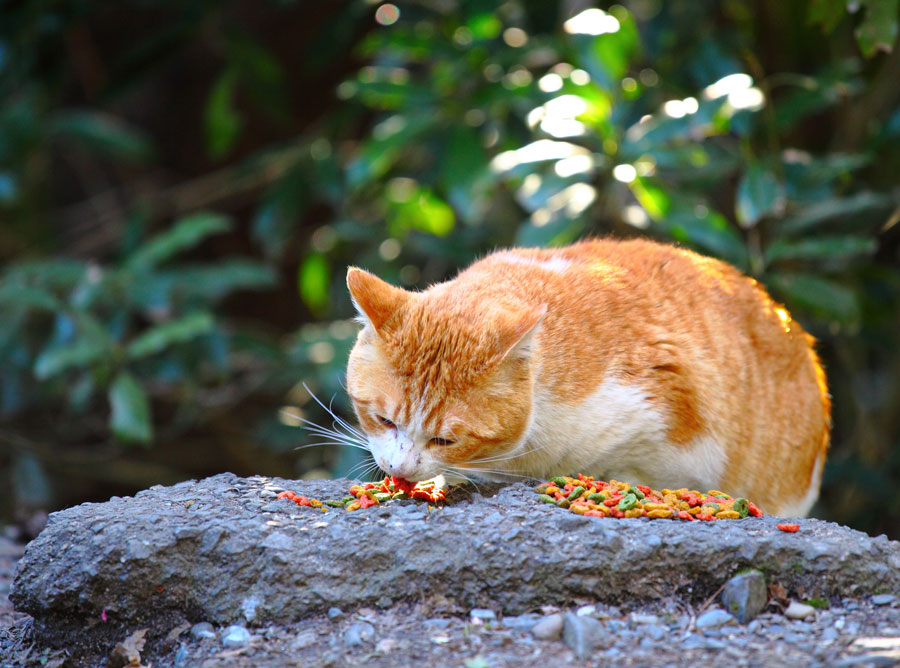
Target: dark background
pixel 182 185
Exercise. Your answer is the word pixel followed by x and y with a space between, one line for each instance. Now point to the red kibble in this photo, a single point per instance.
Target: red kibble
pixel 612 501
pixel 301 501
pixel 790 528
pixel 617 513
pixel 691 499
pixel 756 512
pixel 685 515
pixel 646 490
pixel 706 517
pixel 402 485
pixel 287 494
pixel 366 501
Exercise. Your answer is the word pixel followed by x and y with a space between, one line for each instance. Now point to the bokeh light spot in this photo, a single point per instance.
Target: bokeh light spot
pixel 387 14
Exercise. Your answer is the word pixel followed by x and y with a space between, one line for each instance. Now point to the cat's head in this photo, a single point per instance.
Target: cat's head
pixel 440 379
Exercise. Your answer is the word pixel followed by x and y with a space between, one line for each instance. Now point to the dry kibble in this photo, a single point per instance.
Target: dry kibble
pixel 597 498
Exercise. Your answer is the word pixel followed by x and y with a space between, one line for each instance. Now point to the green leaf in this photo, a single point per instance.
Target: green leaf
pixel 758 195
pixel 823 298
pixel 27 297
pixel 313 280
pixel 878 30
pixel 160 337
pixel 422 211
pixel 820 248
pixel 186 233
pixel 101 133
pixel 709 231
pixel 827 13
pixel 129 417
pixel 221 119
pixel 861 205
pixel 79 354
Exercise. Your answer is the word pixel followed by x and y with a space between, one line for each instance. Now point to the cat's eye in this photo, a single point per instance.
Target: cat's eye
pixel 441 441
pixel 387 423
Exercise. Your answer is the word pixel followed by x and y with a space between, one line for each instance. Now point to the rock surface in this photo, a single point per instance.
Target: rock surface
pixel 225 550
pixel 744 595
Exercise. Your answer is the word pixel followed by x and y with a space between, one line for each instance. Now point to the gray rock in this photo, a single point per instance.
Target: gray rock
pixel 583 634
pixel 549 628
pixel 639 619
pixel 745 596
pixel 359 634
pixel 521 622
pixel 212 556
pixel 235 636
pixel 335 613
pixel 203 630
pixel 883 599
pixel 714 618
pixel 799 611
pixel 483 614
pixel 436 623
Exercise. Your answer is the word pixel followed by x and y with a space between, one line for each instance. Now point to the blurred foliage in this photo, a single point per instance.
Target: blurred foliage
pixel 182 186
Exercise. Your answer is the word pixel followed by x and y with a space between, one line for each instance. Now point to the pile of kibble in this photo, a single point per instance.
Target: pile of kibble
pixel 373 494
pixel 596 498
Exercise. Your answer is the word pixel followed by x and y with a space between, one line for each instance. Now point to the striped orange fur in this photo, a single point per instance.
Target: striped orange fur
pixel 624 359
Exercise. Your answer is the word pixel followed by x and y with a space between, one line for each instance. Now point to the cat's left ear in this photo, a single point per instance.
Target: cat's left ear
pixel 375 299
pixel 517 336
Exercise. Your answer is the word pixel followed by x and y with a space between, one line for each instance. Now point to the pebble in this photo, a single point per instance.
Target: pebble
pixel 436 623
pixel 358 634
pixel 799 610
pixel 744 595
pixel 483 614
pixel 549 628
pixel 524 622
pixel 583 634
pixel 655 631
pixel 235 636
pixel 883 599
pixel 303 639
pixel 586 610
pixel 638 618
pixel 714 618
pixel 203 630
pixel 335 613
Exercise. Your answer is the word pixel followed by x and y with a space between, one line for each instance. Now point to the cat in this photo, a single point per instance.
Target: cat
pixel 631 359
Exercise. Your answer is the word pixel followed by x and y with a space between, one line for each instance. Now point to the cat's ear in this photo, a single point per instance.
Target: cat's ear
pixel 375 299
pixel 517 334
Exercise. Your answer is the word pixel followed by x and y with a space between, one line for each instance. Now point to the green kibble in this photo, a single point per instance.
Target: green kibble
pixel 562 503
pixel 627 502
pixel 596 497
pixel 558 481
pixel 714 506
pixel 541 489
pixel 638 493
pixel 382 496
pixel 575 493
pixel 742 506
pixel 546 498
pixel 347 498
pixel 347 503
pixel 400 496
pixel 334 503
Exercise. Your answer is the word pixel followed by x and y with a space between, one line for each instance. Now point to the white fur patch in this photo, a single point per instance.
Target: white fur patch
pixel 555 264
pixel 802 507
pixel 617 433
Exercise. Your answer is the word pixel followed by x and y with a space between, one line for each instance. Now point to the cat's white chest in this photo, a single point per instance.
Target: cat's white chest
pixel 617 432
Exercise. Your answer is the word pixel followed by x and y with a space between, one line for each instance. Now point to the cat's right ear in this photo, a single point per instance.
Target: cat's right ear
pixel 375 299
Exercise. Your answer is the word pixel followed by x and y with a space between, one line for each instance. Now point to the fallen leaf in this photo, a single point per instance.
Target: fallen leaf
pixel 174 634
pixel 127 654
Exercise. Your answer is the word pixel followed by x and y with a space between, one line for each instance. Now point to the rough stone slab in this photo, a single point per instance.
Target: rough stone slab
pixel 224 549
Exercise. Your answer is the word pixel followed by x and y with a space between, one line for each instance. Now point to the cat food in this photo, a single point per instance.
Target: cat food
pixel 596 498
pixel 790 528
pixel 372 494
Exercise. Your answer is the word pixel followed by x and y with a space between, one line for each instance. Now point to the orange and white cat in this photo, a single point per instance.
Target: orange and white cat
pixel 617 359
